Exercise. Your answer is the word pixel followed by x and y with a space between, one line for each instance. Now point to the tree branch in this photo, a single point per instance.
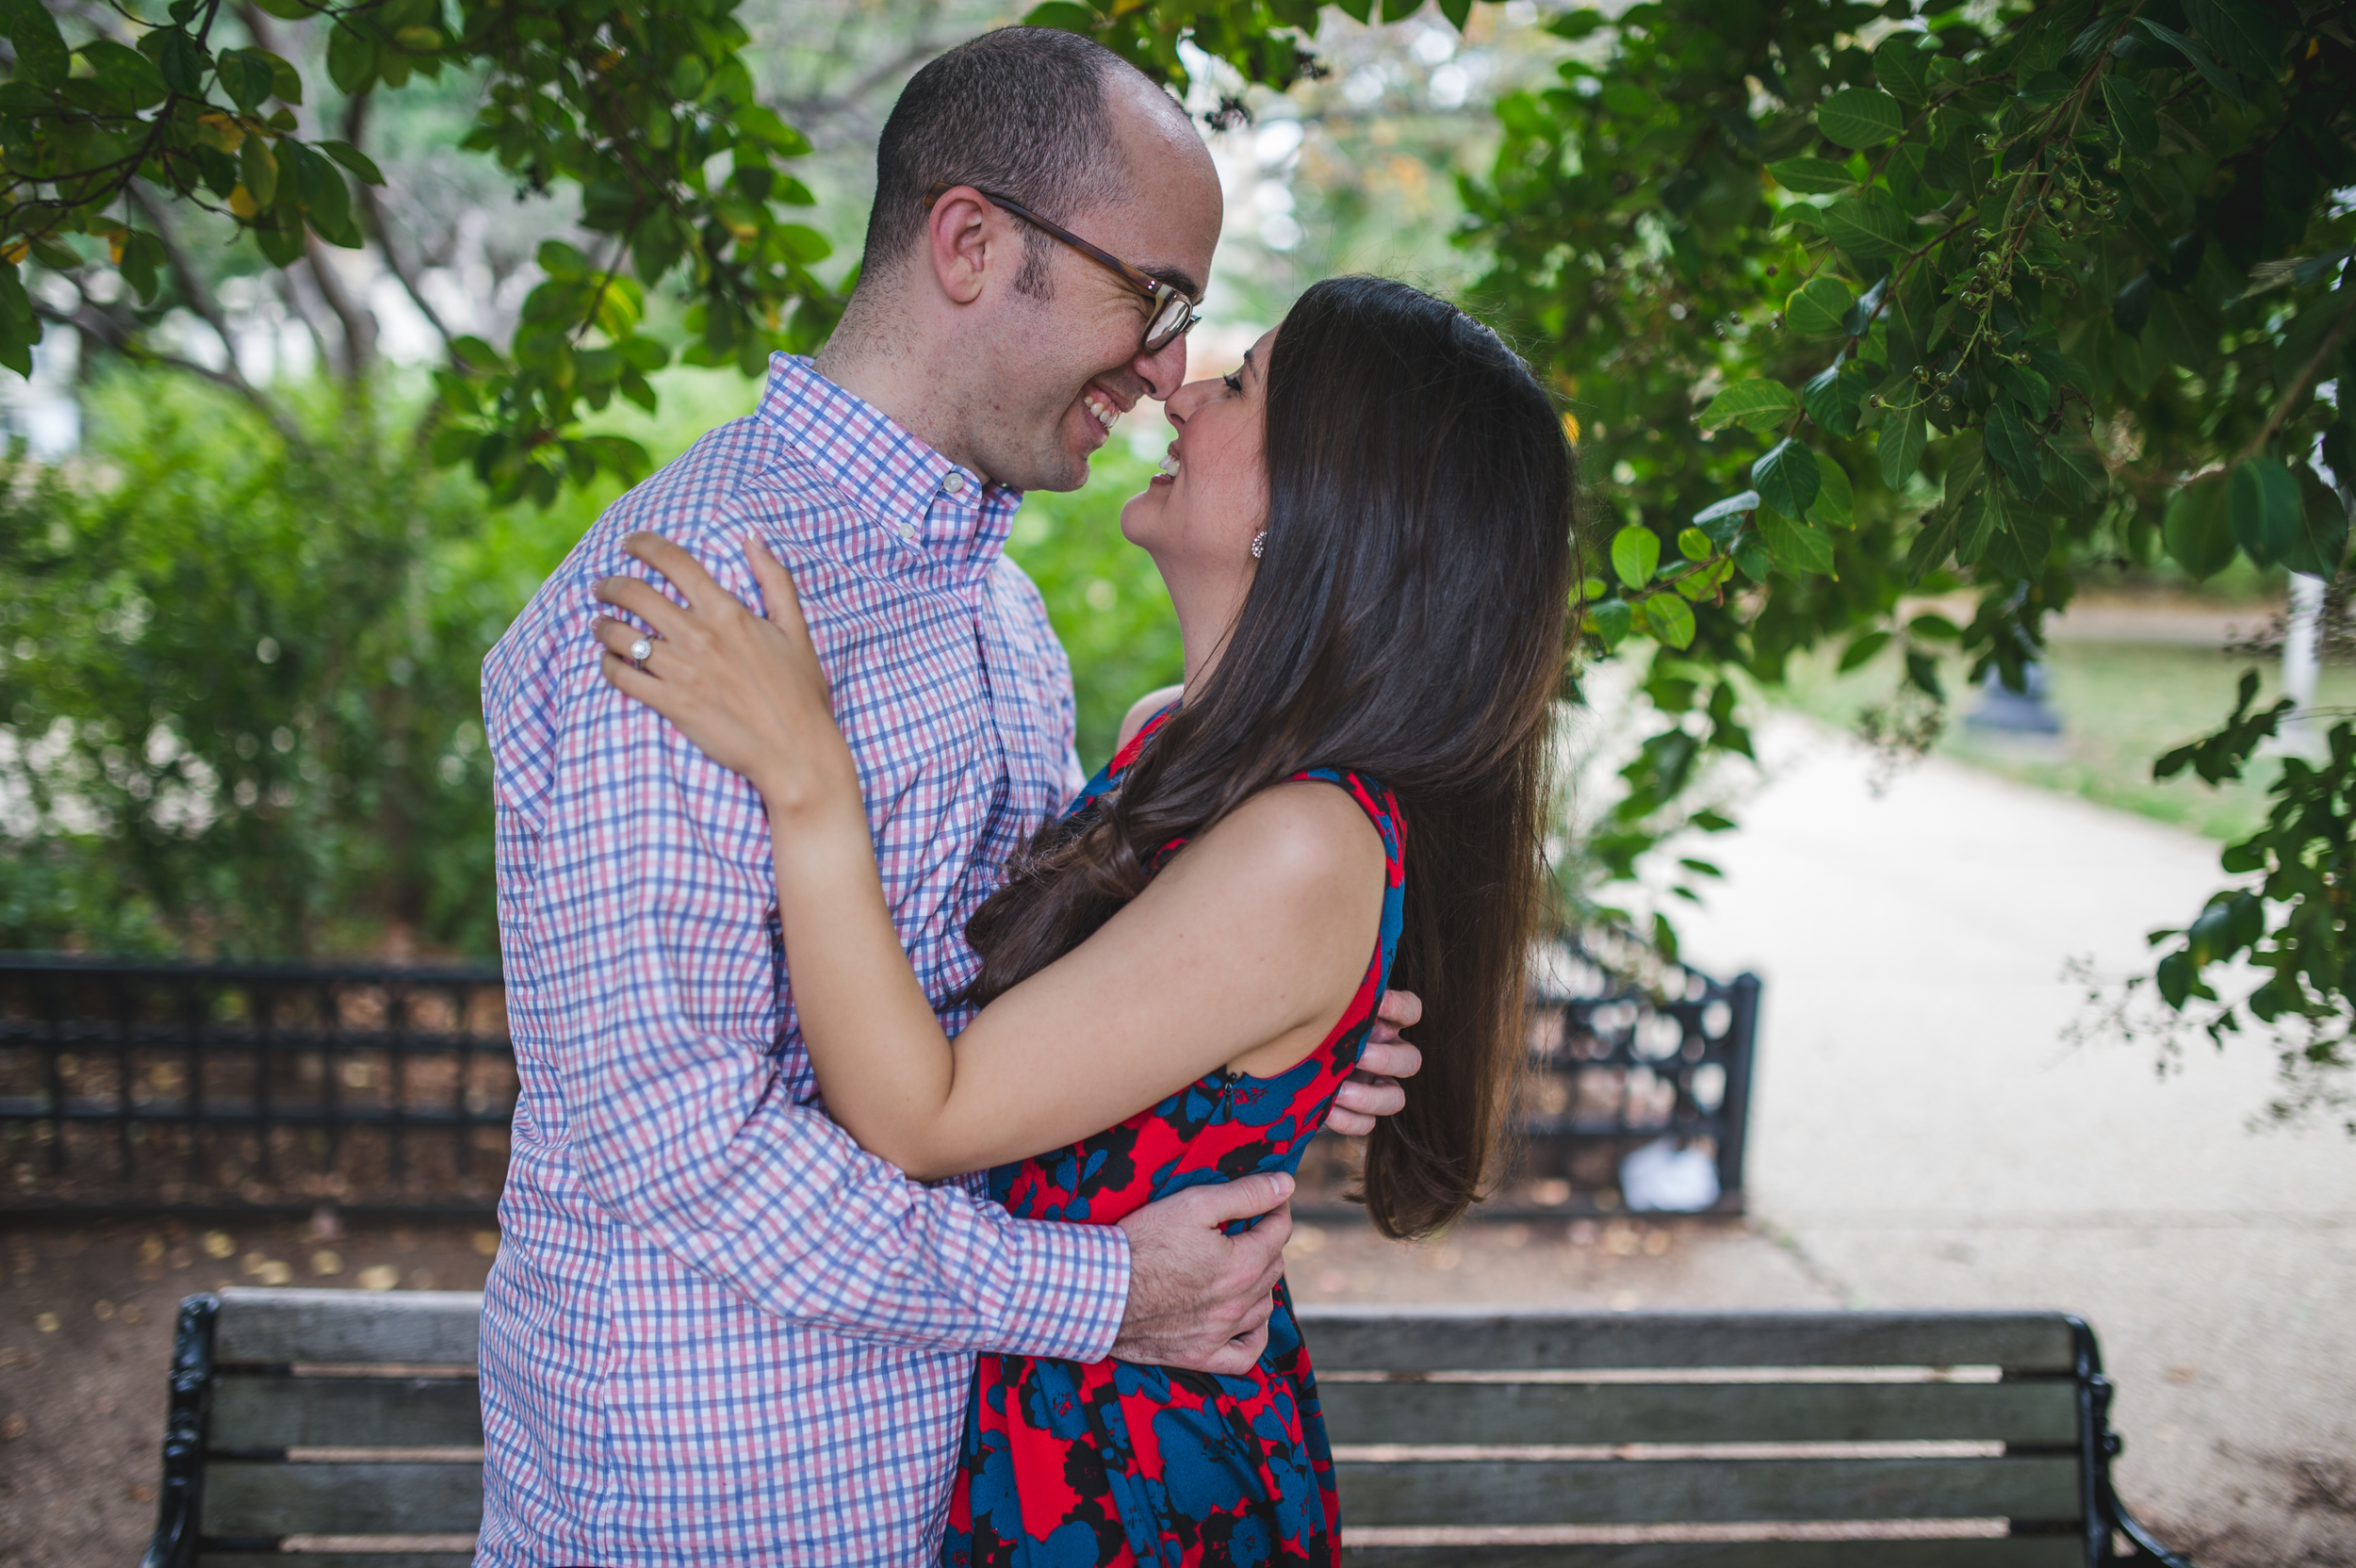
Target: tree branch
pixel 193 289
pixel 95 326
pixel 358 322
pixel 401 267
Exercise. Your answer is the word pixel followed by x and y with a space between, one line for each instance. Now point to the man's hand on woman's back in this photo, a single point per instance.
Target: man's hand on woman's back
pixel 1199 1297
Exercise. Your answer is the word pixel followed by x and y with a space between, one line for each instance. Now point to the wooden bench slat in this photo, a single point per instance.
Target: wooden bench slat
pixel 2035 1412
pixel 252 1497
pixel 295 1413
pixel 2035 1551
pixel 426 1328
pixel 1612 1491
pixel 1439 1340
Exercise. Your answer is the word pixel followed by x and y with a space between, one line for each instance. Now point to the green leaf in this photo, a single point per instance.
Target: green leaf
pixel 1612 621
pixel 1932 546
pixel 2322 541
pixel 1862 650
pixel 562 262
pixel 291 10
pixel 183 62
pixel 351 59
pixel 1865 229
pixel 1670 620
pixel 354 159
pixel 245 76
pixel 1809 176
pixel 144 254
pixel 1457 12
pixel 42 59
pixel 2012 450
pixel 764 125
pixel 1832 398
pixel 1796 546
pixel 125 73
pixel 1635 554
pixel 1060 13
pixel 326 200
pixel 1835 502
pixel 2215 74
pixel 1860 117
pixel 2240 33
pixel 1902 66
pixel 1751 555
pixel 2264 502
pixel 1787 479
pixel 2134 116
pixel 1695 544
pixel 1817 307
pixel 1757 404
pixel 1979 519
pixel 1900 445
pixel 257 165
pixel 2198 530
pixel 2075 465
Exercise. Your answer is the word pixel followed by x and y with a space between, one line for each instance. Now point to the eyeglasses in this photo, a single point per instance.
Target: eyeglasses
pixel 1171 314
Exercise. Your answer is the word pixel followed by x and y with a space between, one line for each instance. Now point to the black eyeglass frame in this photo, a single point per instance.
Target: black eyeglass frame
pixel 1163 297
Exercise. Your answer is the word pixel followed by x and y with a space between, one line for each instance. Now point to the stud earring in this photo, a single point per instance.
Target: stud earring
pixel 1258 540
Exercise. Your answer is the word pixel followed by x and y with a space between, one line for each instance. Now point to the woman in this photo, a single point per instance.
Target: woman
pixel 1366 534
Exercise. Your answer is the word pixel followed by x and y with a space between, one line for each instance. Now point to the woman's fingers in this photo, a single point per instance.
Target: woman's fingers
pixel 646 602
pixel 686 573
pixel 618 636
pixel 776 586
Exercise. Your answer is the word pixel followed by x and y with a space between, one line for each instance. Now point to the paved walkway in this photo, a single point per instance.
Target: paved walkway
pixel 1923 1136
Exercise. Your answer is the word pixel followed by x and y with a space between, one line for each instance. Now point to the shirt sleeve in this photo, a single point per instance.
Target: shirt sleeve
pixel 660 965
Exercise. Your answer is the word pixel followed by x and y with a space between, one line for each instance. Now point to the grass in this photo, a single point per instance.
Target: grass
pixel 2122 705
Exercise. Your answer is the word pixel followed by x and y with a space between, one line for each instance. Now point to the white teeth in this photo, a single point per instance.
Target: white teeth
pixel 1104 414
pixel 1170 464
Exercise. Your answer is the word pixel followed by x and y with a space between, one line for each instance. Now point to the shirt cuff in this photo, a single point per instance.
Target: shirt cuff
pixel 1070 1287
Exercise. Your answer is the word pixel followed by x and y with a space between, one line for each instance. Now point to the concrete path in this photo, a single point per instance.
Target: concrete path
pixel 1923 1136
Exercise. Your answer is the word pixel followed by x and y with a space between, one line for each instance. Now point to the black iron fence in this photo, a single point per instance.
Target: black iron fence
pixel 139 1086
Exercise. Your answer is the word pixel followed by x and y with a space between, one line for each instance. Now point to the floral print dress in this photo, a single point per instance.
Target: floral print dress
pixel 1071 1466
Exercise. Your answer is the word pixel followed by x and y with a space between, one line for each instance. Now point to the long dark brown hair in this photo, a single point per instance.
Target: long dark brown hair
pixel 1406 623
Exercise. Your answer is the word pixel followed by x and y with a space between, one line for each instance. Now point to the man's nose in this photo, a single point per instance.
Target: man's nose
pixel 1163 371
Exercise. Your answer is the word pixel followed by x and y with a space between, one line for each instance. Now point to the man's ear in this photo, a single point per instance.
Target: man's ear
pixel 964 234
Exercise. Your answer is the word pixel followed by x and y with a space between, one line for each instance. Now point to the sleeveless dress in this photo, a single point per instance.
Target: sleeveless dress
pixel 1070 1465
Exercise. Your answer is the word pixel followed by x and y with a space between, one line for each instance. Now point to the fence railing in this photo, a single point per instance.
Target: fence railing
pixel 138 1085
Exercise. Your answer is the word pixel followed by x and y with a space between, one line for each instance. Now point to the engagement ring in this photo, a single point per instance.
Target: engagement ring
pixel 640 650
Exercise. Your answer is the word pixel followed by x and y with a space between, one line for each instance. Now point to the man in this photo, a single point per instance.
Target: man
pixel 718 1331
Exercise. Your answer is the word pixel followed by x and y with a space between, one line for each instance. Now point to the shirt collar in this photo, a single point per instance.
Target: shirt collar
pixel 913 494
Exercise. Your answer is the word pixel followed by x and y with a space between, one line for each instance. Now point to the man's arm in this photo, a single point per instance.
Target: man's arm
pixel 653 958
pixel 653 951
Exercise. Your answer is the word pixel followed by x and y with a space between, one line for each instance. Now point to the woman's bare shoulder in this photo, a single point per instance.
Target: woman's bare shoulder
pixel 1144 708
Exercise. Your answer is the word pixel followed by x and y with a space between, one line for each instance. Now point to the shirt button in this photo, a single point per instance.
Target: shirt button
pixel 955 483
pixel 907 531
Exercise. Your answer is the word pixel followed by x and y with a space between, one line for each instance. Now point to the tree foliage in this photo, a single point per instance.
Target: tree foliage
pixel 112 119
pixel 1856 303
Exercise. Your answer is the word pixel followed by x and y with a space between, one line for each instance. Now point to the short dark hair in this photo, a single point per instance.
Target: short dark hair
pixel 1021 111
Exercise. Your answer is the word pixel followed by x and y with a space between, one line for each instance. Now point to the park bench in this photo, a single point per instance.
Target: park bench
pixel 340 1429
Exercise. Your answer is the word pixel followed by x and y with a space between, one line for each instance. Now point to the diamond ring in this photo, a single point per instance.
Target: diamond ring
pixel 640 650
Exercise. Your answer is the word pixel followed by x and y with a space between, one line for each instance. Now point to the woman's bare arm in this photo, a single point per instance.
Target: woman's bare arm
pixel 1241 952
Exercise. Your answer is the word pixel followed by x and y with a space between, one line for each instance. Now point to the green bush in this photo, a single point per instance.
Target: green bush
pixel 240 707
pixel 239 681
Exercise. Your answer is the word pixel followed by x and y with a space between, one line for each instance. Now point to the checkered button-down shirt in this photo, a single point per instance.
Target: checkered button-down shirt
pixel 718 1331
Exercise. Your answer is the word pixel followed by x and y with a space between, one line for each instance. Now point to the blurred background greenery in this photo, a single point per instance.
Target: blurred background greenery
pixel 243 617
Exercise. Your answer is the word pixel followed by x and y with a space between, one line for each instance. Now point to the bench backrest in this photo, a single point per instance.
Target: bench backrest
pixel 344 1426
pixel 312 1426
pixel 1759 1438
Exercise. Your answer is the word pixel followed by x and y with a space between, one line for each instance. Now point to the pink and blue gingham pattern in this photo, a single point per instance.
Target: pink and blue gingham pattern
pixel 718 1331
